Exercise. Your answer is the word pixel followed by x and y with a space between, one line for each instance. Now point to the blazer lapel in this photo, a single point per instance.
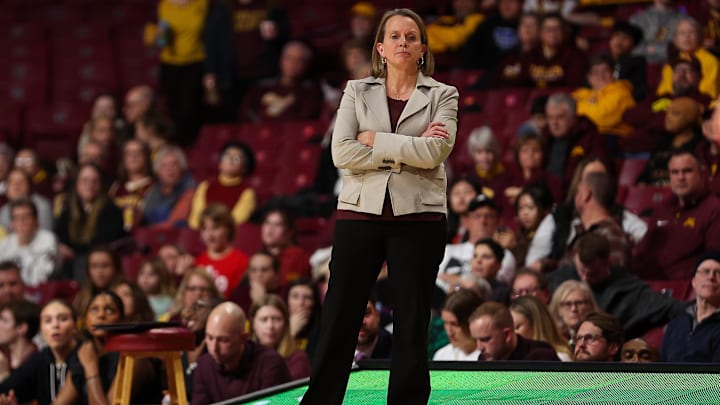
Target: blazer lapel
pixel 418 100
pixel 376 102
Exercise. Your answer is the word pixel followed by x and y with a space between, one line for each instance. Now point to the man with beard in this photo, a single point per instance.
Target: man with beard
pixel 374 342
pixel 599 338
pixel 491 325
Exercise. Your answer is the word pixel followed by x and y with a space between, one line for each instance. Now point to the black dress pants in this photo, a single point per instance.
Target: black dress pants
pixel 413 251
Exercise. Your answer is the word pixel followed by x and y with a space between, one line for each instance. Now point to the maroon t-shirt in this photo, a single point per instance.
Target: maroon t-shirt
pixel 396 108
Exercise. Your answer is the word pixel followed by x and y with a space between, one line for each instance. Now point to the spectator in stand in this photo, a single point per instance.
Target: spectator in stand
pixel 638 350
pixel 694 336
pixel 195 318
pixel 485 151
pixel 42 375
pixel 711 29
pixel 682 126
pixel 607 98
pixel 594 199
pixel 133 182
pixel 455 314
pixel 243 42
pixel 304 306
pixel 88 218
pixel 277 234
pixel 263 278
pixel 106 105
pixel 688 43
pixel 537 121
pixel 626 66
pixel 449 33
pixel 658 24
pixel 711 154
pixel 154 131
pixel 91 375
pixel 533 204
pixel 34 249
pixel 19 323
pixel 179 35
pixel 363 21
pixel 615 289
pixel 168 201
pixel 218 375
pixel 530 282
pixel 92 152
pixel 7 158
pixel 157 283
pixel 12 287
pixel 486 263
pixel 557 62
pixel 135 302
pixel 570 137
pixel 373 341
pixel 570 302
pixel 532 320
pixel 530 157
pixel 196 285
pixel 20 187
pixel 140 101
pixel 102 130
pixel 230 187
pixel 290 96
pixel 104 272
pixel 221 260
pixel 491 325
pixel 494 38
pixel 27 160
pixel 172 255
pixel 463 190
pixel 648 117
pixel 270 327
pixel 509 72
pixel 599 338
pixel 483 222
pixel 557 229
pixel 681 227
pixel 356 59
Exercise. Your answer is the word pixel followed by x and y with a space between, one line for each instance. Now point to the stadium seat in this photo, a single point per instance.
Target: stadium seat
pixel 151 239
pixel 28 31
pixel 678 289
pixel 191 241
pixel 86 31
pixel 654 336
pixel 501 101
pixel 640 199
pixel 10 123
pixel 247 238
pixel 35 51
pixel 72 91
pixel 27 93
pixel 45 292
pixel 131 265
pixel 54 130
pixel 630 170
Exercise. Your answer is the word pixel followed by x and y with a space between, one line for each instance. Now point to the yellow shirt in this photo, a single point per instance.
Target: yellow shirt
pixel 606 106
pixel 186 25
pixel 710 73
pixel 447 35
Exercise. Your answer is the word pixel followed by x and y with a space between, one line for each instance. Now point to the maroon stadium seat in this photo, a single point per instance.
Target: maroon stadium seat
pixel 630 170
pixel 641 198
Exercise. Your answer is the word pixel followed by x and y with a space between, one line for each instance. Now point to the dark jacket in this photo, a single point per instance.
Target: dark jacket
pixel 583 140
pixel 37 378
pixel 637 306
pixel 632 68
pixel 492 40
pixel 686 341
pixel 533 350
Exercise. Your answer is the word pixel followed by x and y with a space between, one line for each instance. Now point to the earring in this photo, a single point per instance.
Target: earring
pixel 421 61
pixel 383 60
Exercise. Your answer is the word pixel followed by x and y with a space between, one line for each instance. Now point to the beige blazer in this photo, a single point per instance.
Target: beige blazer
pixel 409 166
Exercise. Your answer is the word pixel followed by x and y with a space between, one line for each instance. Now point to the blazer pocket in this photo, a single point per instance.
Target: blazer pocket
pixel 433 192
pixel 351 188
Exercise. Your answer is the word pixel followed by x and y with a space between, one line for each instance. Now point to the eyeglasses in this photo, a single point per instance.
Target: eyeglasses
pixel 589 339
pixel 644 354
pixel 715 273
pixel 524 291
pixel 194 288
pixel 578 304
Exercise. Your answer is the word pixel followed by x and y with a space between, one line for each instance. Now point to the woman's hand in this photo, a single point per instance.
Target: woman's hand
pixel 298 321
pixel 436 130
pixel 184 263
pixel 366 138
pixel 89 359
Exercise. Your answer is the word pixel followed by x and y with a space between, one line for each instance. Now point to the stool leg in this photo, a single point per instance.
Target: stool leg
pixel 176 379
pixel 127 379
pixel 117 395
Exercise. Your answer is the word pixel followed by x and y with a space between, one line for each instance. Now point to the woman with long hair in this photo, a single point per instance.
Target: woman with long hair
pixel 571 301
pixel 393 132
pixel 533 321
pixel 104 271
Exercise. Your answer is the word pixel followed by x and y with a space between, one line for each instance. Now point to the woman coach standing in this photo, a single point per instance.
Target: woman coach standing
pixel 393 131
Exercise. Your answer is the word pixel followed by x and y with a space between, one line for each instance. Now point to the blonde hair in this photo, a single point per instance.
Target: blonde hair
pixel 287 346
pixel 180 295
pixel 543 325
pixel 378 68
pixel 561 293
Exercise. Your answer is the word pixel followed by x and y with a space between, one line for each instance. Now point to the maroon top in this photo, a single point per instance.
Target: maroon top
pixel 241 294
pixel 260 368
pixel 396 108
pixel 298 364
pixel 272 101
pixel 566 68
pixel 676 236
pixel 527 349
pixel 217 193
